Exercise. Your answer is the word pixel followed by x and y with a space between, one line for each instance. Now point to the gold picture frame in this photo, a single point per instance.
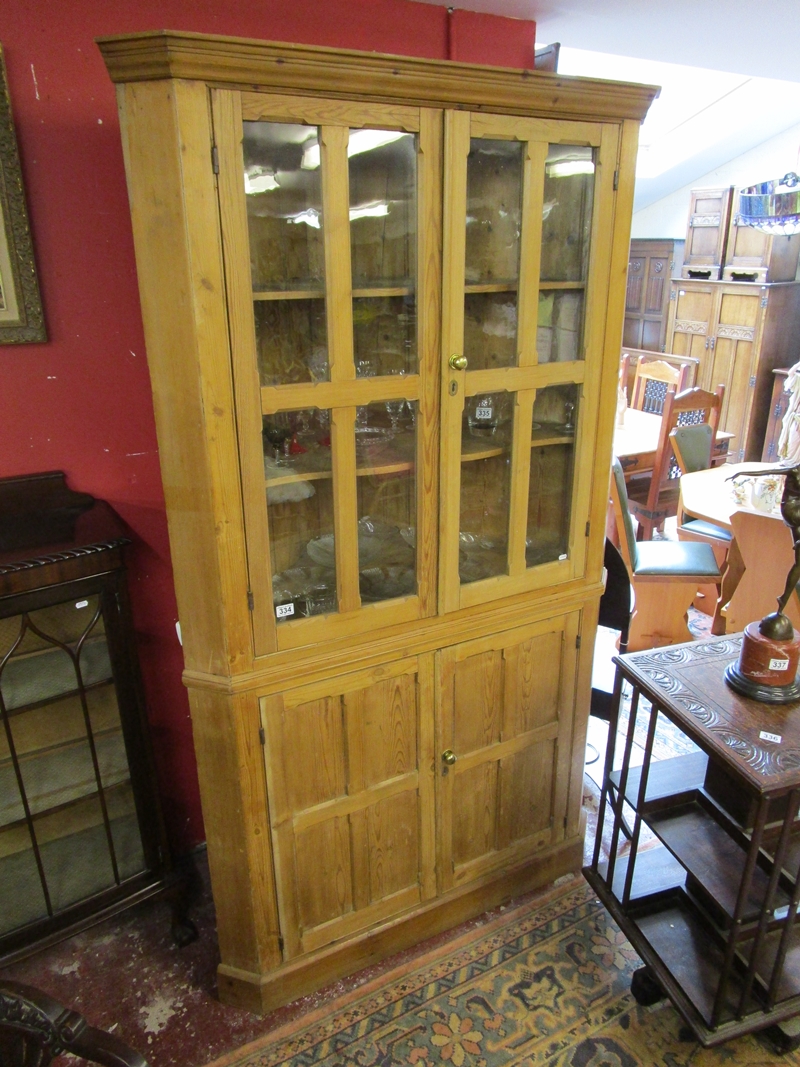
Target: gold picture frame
pixel 21 315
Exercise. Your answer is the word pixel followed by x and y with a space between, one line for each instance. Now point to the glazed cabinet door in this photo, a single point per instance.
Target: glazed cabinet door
pixel 527 232
pixel 350 783
pixel 331 229
pixel 504 739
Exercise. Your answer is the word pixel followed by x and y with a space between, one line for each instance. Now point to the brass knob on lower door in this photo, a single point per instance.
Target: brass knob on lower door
pixel 458 362
pixel 449 757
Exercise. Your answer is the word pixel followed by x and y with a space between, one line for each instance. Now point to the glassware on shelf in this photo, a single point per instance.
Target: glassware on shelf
pixel 278 432
pixel 487 413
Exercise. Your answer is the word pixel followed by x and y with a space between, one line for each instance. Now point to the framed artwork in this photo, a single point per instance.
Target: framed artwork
pixel 21 316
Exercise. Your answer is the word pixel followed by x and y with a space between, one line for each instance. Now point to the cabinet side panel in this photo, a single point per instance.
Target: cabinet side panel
pixel 233 789
pixel 166 141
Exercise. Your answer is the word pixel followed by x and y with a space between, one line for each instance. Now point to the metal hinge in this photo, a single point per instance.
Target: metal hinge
pixel 578 641
pixel 752 381
pixel 262 737
pixel 565 822
pixel 616 180
pixel 280 944
pixel 251 600
pixel 763 301
pixel 673 294
pixel 214 159
pixel 588 527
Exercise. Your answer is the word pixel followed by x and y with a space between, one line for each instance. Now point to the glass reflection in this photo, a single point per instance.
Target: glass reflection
pixel 555 415
pixel 494 211
pixel 567 212
pixel 559 331
pixel 384 335
pixel 485 486
pixel 283 193
pixel 298 469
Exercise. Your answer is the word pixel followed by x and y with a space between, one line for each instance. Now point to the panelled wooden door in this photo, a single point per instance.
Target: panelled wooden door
pixel 353 818
pixel 528 207
pixel 731 358
pixel 331 225
pixel 504 739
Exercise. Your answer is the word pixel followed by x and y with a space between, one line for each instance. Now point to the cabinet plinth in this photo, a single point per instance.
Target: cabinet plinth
pixel 712 907
pixel 383 302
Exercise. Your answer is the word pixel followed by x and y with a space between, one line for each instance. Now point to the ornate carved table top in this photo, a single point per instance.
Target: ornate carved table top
pixel 686 682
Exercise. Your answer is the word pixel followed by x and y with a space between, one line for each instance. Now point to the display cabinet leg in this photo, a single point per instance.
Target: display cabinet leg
pixel 645 987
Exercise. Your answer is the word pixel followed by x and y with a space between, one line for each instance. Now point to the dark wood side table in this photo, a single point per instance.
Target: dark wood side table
pixel 81 834
pixel 712 907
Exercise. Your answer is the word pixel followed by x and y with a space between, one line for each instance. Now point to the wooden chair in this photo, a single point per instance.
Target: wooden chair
pixel 687 365
pixel 692 447
pixel 655 499
pixel 664 574
pixel 650 384
pixel 34 1029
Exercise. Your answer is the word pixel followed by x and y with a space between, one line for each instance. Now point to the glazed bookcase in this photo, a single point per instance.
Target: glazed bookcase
pixel 383 302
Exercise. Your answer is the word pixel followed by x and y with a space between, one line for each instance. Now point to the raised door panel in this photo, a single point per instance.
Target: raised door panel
pixel 527 236
pixel 691 317
pixel 505 727
pixel 350 783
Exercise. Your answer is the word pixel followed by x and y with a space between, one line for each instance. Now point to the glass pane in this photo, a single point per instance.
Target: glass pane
pixel 567 215
pixel 566 233
pixel 555 414
pixel 494 213
pixel 386 463
pixel 297 465
pixel 282 182
pixel 559 333
pixel 384 335
pixel 490 330
pixel 485 486
pixel 383 245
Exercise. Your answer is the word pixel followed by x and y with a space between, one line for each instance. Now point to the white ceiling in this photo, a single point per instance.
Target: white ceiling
pixel 729 73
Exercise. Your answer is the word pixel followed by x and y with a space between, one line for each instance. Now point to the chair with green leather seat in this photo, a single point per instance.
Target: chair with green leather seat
pixel 692 446
pixel 665 577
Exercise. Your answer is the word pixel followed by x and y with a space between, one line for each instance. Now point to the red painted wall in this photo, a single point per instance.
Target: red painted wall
pixel 81 402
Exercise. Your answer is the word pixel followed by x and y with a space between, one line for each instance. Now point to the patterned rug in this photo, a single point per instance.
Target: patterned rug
pixel 543 983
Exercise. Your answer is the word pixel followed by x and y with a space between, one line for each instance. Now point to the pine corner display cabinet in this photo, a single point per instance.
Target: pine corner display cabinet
pixel 383 302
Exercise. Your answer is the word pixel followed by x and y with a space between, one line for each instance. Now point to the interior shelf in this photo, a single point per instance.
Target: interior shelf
pixel 656 873
pixel 669 781
pixel 713 858
pixel 374 292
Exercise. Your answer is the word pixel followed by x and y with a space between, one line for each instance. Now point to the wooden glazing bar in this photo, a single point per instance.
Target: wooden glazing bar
pixel 738 911
pixel 515 379
pixel 282 107
pixel 783 947
pixel 353 392
pixel 605 796
pixel 520 481
pixel 338 271
pixel 457 143
pixel 509 127
pixel 430 147
pixel 227 117
pixel 637 822
pixel 766 909
pixel 345 507
pixel 289 294
pixel 623 782
pixel 545 287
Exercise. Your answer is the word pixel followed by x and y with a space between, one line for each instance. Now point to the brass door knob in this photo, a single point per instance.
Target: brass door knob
pixel 449 757
pixel 458 362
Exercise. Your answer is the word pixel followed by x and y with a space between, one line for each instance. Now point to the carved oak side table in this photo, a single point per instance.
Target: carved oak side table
pixel 710 904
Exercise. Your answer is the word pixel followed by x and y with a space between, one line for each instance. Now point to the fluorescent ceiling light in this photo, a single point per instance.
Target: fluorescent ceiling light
pixel 369 211
pixel 565 168
pixel 310 217
pixel 360 141
pixel 259 180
